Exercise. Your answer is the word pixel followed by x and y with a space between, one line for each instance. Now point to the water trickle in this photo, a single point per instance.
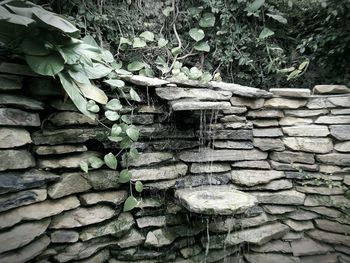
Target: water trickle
pixel 208 242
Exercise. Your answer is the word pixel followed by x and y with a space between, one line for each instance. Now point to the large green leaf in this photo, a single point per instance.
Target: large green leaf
pixel 130 203
pixel 73 92
pixel 11 18
pixel 136 66
pixel 147 35
pixel 34 46
pixel 207 20
pixel 124 176
pixel 197 34
pixel 97 71
pixel 133 133
pixel 255 6
pixel 78 74
pixel 53 20
pixel 115 83
pixel 202 46
pixel 265 33
pixel 48 65
pixel 92 92
pixel 110 161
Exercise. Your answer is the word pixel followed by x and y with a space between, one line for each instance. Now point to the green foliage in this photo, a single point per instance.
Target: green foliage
pixel 251 42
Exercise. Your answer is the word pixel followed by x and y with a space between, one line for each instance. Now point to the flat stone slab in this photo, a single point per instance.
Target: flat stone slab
pixel 313 145
pixel 9 160
pixel 293 93
pixel 240 90
pixel 181 105
pixel 16 117
pixel 22 198
pixel 13 137
pixel 161 173
pixel 21 102
pixel 340 132
pixel 215 200
pixel 331 89
pixel 282 103
pixel 144 81
pixel 307 130
pixel 189 93
pixel 247 102
pixel 208 155
pixel 254 177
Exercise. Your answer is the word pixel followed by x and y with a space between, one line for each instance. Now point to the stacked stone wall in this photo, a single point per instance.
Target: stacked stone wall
pixel 230 174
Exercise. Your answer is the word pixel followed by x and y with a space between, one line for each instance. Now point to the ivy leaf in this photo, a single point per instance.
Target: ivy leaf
pixel 124 40
pixel 134 154
pixel 206 77
pixel 134 96
pixel 197 34
pixel 138 43
pixel 195 73
pixel 84 166
pixel 92 106
pixel 207 20
pixel 95 162
pixel 148 36
pixel 133 133
pixel 202 46
pixel 130 203
pixel 115 138
pixel 112 115
pixel 265 33
pixel 278 18
pixel 115 83
pixel 124 176
pixel 139 186
pixel 48 65
pixel 126 119
pixel 162 42
pixel 110 161
pixel 255 6
pixel 136 66
pixel 166 11
pixel 114 104
pixel 116 130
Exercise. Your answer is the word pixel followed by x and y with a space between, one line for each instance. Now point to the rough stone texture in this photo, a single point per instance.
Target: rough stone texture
pixel 59 149
pixel 267 132
pixel 190 93
pixel 305 113
pixel 290 197
pixel 339 119
pixel 132 239
pixel 328 102
pixel 270 258
pixel 22 235
pixel 278 209
pixel 102 179
pixel 14 117
pixel 331 89
pixel 21 198
pixel 13 181
pixel 160 173
pixel 293 93
pixel 198 168
pixel 294 166
pixel 334 158
pixel 66 118
pixel 340 132
pixel 26 253
pixel 10 82
pixel 251 164
pixel 182 105
pixel 243 91
pixel 13 137
pixel 330 238
pixel 70 183
pixel 265 123
pixel 282 103
pixel 250 103
pixel 235 110
pixel 64 236
pixel 21 102
pixel 71 161
pixel 215 200
pixel 268 144
pixel 320 190
pixel 332 226
pixel 113 197
pixel 307 130
pixel 305 144
pixel 342 147
pixel 37 211
pixel 271 186
pixel 274 246
pixel 329 258
pixel 299 226
pixel 265 114
pixel 233 145
pixel 144 81
pixel 292 157
pixel 9 160
pixel 82 217
pixel 340 111
pixel 117 227
pixel 290 121
pixel 255 177
pixel 208 155
pixel 241 134
pixel 148 159
pixel 257 236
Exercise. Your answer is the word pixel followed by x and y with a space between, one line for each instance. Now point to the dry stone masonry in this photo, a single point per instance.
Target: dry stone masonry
pixel 230 173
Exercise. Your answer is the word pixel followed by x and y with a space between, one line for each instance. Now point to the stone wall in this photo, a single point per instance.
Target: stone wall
pixel 231 174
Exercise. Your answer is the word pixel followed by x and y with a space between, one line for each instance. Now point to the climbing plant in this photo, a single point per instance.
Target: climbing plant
pixel 51 47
